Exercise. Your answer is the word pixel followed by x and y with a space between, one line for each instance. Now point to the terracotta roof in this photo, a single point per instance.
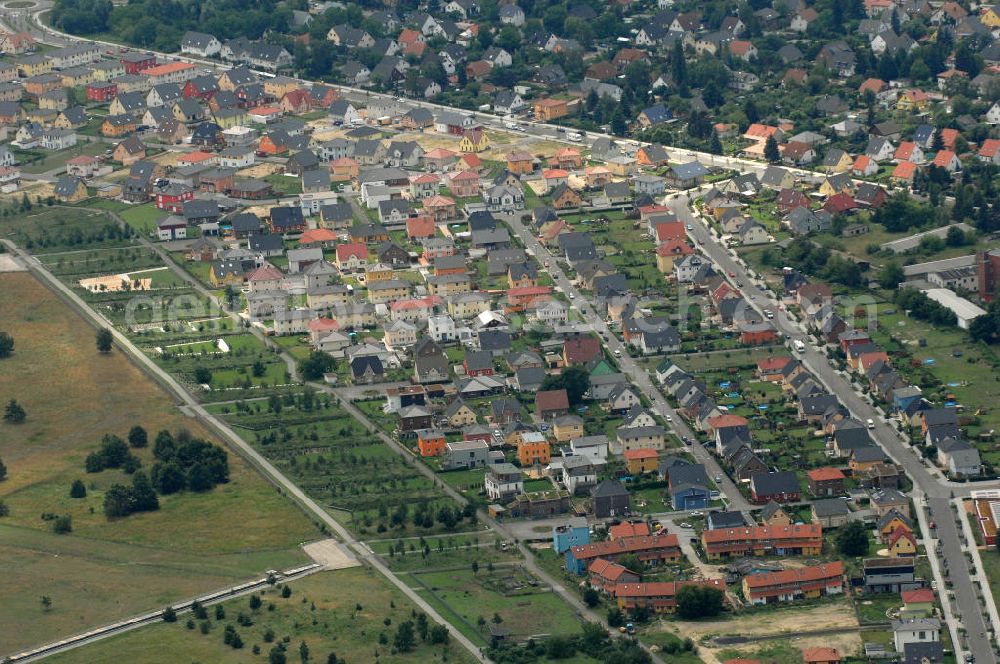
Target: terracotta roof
pixel 640 454
pixel 918 596
pixel 820 654
pixel 825 474
pixel 623 545
pixel 317 235
pixel 799 575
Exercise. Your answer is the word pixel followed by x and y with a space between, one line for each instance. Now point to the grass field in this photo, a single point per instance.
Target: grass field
pixel 105 570
pixel 142 218
pixel 342 612
pixel 463 597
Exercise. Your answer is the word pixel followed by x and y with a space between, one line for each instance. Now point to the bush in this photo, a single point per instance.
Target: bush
pixel 62 525
pixel 77 490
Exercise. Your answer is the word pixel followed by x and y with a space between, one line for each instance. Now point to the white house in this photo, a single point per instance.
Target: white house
pixel 200 44
pixel 993 115
pixel 915 630
pixel 592 447
pixel 441 328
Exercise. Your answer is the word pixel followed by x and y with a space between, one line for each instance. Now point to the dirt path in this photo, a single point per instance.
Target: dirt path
pixel 776 623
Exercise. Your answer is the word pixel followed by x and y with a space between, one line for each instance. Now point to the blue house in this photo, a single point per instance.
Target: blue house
pixel 574 533
pixel 902 397
pixel 688 485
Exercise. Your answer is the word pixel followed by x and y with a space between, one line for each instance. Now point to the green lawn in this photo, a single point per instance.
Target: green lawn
pixel 142 218
pixel 346 612
pixel 40 161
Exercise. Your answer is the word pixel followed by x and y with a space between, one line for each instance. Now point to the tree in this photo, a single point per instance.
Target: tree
pixel 439 635
pixel 277 655
pixel 695 602
pixel 169 615
pixel 137 437
pixel 46 603
pixel 202 375
pixel 590 597
pixel 6 345
pixel 715 145
pixel 405 639
pixel 853 539
pixel 559 647
pixel 955 237
pixel 574 380
pixel 317 364
pixel 62 525
pixel 14 413
pixel 255 602
pixel 891 275
pixel 3 471
pixel 117 501
pixel 631 562
pixel 104 340
pixel 771 151
pixel 303 652
pixel 475 567
pixel 143 497
pixel 77 490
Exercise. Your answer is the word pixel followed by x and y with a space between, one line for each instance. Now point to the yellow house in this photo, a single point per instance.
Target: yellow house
pixel 890 523
pixel 843 164
pixel 990 18
pixel 448 285
pixel 323 299
pixel 34 65
pixel 231 117
pixel 278 86
pixel 387 291
pixel 567 428
pixel 226 273
pixel 642 461
pixel 378 272
pixel 774 514
pixel 902 543
pixel 468 305
pixel 912 100
pixel 78 76
pixel 622 166
pixel 459 414
pixel 70 190
pixel 474 140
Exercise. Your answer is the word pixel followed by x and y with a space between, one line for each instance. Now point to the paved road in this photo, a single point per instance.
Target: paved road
pixel 192 405
pixel 636 374
pixel 928 482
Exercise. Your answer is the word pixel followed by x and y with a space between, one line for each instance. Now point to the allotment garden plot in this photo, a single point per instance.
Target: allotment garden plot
pixel 358 478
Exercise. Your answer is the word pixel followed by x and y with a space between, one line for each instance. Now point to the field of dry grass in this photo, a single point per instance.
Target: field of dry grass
pixel 104 570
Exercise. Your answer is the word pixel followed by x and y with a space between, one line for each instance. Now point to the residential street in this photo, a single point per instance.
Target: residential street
pixel 969 607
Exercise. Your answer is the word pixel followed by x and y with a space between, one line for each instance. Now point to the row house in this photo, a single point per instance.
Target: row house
pixel 805 540
pixel 650 549
pixel 657 596
pixel 789 585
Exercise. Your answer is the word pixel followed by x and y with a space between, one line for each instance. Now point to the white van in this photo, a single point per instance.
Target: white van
pixel 576 137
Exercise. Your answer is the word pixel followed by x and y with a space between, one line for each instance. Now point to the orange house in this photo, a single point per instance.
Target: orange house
pixel 533 449
pixel 344 168
pixel 550 109
pixel 520 163
pixel 566 158
pixel 269 147
pixel 431 442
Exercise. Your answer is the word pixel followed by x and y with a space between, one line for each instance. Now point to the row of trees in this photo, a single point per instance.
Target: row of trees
pixel 923 308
